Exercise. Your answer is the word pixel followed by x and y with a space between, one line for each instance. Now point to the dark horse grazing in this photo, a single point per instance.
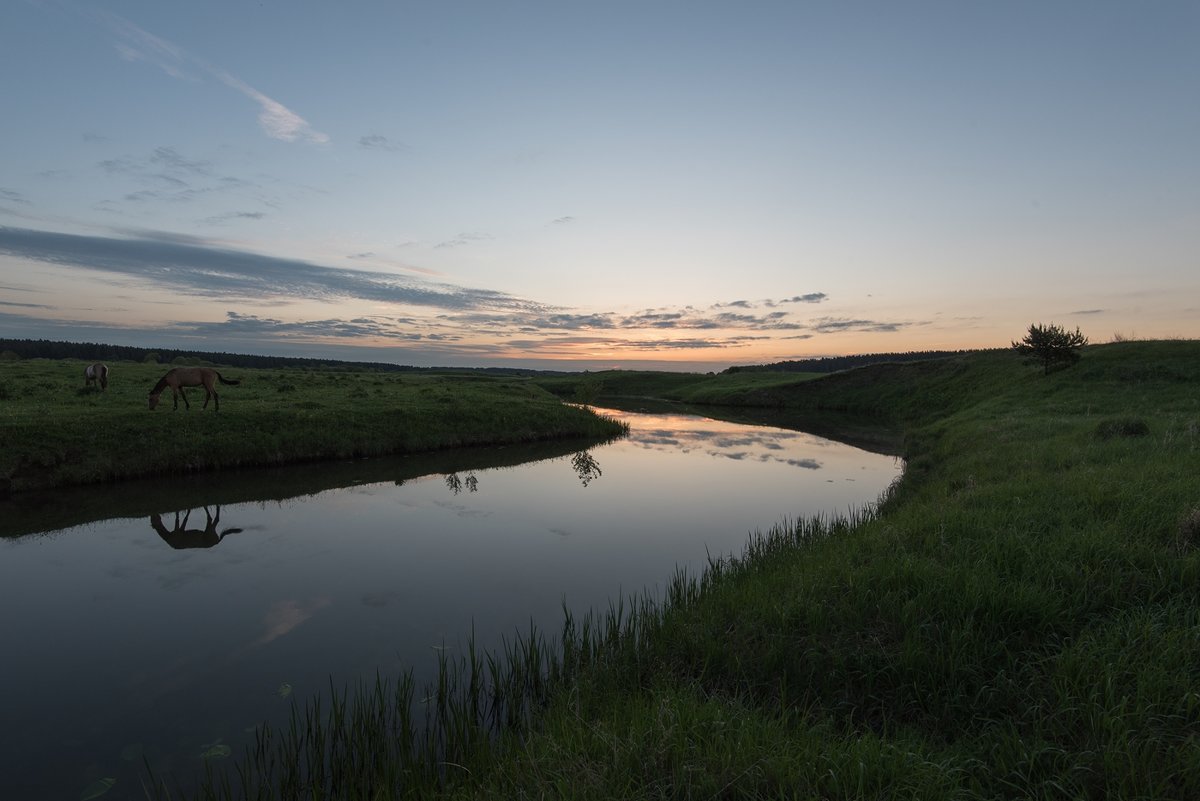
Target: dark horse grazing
pixel 94 373
pixel 179 377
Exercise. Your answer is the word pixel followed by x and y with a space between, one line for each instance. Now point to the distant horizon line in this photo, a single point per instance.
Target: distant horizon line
pixel 531 365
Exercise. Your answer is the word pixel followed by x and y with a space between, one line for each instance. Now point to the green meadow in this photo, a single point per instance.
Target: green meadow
pixel 1017 618
pixel 56 432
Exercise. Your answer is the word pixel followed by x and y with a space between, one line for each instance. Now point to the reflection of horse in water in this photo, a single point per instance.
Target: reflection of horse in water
pixel 179 377
pixel 96 374
pixel 183 537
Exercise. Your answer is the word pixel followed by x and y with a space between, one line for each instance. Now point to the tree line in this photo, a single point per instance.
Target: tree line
pixel 100 352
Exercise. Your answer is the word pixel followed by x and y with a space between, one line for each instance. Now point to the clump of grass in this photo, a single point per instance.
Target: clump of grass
pixel 386 740
pixel 1189 531
pixel 1122 427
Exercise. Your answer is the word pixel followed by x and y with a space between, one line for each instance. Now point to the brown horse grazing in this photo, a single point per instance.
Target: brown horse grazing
pixel 180 536
pixel 179 377
pixel 94 373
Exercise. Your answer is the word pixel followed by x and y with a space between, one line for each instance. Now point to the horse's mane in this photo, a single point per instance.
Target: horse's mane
pixel 160 386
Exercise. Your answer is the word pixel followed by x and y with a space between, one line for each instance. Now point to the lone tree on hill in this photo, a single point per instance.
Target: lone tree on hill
pixel 1051 344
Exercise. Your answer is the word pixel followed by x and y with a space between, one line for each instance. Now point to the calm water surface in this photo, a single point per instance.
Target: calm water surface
pixel 170 635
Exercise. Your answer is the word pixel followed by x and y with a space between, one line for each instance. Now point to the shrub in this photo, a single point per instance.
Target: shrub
pixel 1051 345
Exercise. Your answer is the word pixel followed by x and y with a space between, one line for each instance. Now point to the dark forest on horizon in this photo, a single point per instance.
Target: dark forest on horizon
pixel 57 349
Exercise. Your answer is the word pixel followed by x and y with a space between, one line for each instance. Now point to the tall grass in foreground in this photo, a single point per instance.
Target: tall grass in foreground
pixel 390 739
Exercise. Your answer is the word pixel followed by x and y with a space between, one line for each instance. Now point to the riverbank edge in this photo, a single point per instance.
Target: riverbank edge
pixel 1017 618
pixel 91 437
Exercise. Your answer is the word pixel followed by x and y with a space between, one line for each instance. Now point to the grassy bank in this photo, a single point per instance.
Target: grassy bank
pixel 1019 619
pixel 56 432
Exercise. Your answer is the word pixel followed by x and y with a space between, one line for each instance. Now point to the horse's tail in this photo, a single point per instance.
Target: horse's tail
pixel 224 380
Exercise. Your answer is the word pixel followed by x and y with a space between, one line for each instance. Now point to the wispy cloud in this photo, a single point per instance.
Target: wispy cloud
pixel 171 159
pixel 13 197
pixel 218 219
pixel 192 266
pixel 23 305
pixel 826 325
pixel 276 119
pixel 167 176
pixel 378 328
pixel 137 44
pixel 379 142
pixel 229 216
pixel 464 239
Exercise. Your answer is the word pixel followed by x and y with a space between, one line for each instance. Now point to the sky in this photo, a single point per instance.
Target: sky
pixel 585 185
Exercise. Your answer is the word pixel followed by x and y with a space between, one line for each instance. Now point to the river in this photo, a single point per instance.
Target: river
pixel 164 620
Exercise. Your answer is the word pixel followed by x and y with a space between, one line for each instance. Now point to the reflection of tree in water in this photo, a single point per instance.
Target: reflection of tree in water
pixel 582 462
pixel 455 483
pixel 586 467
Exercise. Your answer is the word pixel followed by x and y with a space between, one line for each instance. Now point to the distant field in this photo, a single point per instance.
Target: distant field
pixel 56 432
pixel 722 388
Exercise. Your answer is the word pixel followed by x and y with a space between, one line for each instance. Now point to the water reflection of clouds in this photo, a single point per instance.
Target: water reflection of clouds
pixel 286 615
pixel 691 434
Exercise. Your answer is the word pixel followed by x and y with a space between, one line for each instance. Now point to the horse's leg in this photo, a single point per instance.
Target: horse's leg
pixel 187 406
pixel 210 390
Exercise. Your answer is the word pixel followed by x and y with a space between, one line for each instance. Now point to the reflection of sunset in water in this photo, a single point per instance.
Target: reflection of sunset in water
pixel 687 433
